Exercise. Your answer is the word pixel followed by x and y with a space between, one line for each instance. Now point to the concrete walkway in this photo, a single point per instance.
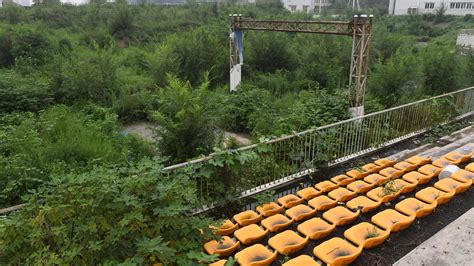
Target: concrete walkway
pixel 453 245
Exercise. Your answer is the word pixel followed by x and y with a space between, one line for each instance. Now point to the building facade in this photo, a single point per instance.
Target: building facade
pixel 306 6
pixel 452 7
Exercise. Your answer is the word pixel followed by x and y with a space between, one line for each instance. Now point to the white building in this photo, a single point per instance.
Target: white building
pixel 453 7
pixel 306 6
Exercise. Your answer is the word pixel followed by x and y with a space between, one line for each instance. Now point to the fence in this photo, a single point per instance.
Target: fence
pixel 289 157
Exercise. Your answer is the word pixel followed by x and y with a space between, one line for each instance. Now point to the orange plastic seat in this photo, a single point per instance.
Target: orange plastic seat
pixel 218 263
pixel 404 186
pixel 385 162
pixel 405 166
pixel 376 179
pixel 418 160
pixel 382 194
pixel 224 247
pixel 366 235
pixel 391 172
pixel 463 176
pixel 410 206
pixel 363 204
pixel 430 170
pixel 392 220
pixel 250 234
pixel 340 215
pixel 342 194
pixel 441 162
pixel 431 194
pixel 308 193
pixel 316 228
pixel 417 178
pixel 225 229
pixel 247 217
pixel 287 242
pixel 300 212
pixel 449 184
pixel 337 251
pixel 342 180
pixel 269 209
pixel 357 174
pixel 360 186
pixel 302 260
pixel 322 203
pixel 326 186
pixel 371 168
pixel 457 157
pixel 470 167
pixel 276 223
pixel 290 200
pixel 256 255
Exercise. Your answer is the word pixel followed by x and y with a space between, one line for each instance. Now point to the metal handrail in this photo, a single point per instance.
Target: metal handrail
pixel 286 137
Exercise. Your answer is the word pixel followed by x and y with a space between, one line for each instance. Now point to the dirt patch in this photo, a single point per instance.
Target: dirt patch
pixel 143 129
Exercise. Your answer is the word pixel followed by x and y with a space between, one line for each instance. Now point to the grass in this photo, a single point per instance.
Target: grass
pixel 371 233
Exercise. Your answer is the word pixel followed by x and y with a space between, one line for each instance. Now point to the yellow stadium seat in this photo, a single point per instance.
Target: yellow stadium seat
pixel 287 242
pixel 337 251
pixel 225 229
pixel 342 180
pixel 247 217
pixel 391 172
pixel 326 186
pixel 357 174
pixel 223 247
pixel 418 160
pixel 290 200
pixel 430 170
pixel 376 179
pixel 316 228
pixel 457 157
pixel 385 162
pixel 218 263
pixel 360 186
pixel 342 194
pixel 403 186
pixel 449 184
pixel 256 255
pixel 382 194
pixel 340 215
pixel 250 234
pixel 410 206
pixel 269 209
pixel 392 220
pixel 431 194
pixel 302 260
pixel 470 167
pixel 371 168
pixel 276 222
pixel 417 178
pixel 300 212
pixel 405 166
pixel 463 176
pixel 322 203
pixel 363 203
pixel 308 193
pixel 442 162
pixel 366 235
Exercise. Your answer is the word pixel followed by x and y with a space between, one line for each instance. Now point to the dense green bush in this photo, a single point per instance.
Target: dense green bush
pixel 136 215
pixel 59 140
pixel 24 92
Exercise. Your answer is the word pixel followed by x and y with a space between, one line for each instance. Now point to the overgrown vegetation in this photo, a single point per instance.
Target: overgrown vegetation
pixel 70 77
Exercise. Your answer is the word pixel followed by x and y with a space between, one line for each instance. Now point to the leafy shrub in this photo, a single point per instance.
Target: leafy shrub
pixel 31 47
pixel 24 93
pixel 188 129
pixel 59 140
pixel 136 215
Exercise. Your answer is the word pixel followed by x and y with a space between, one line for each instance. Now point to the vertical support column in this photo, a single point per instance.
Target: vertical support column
pixel 361 38
pixel 235 54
